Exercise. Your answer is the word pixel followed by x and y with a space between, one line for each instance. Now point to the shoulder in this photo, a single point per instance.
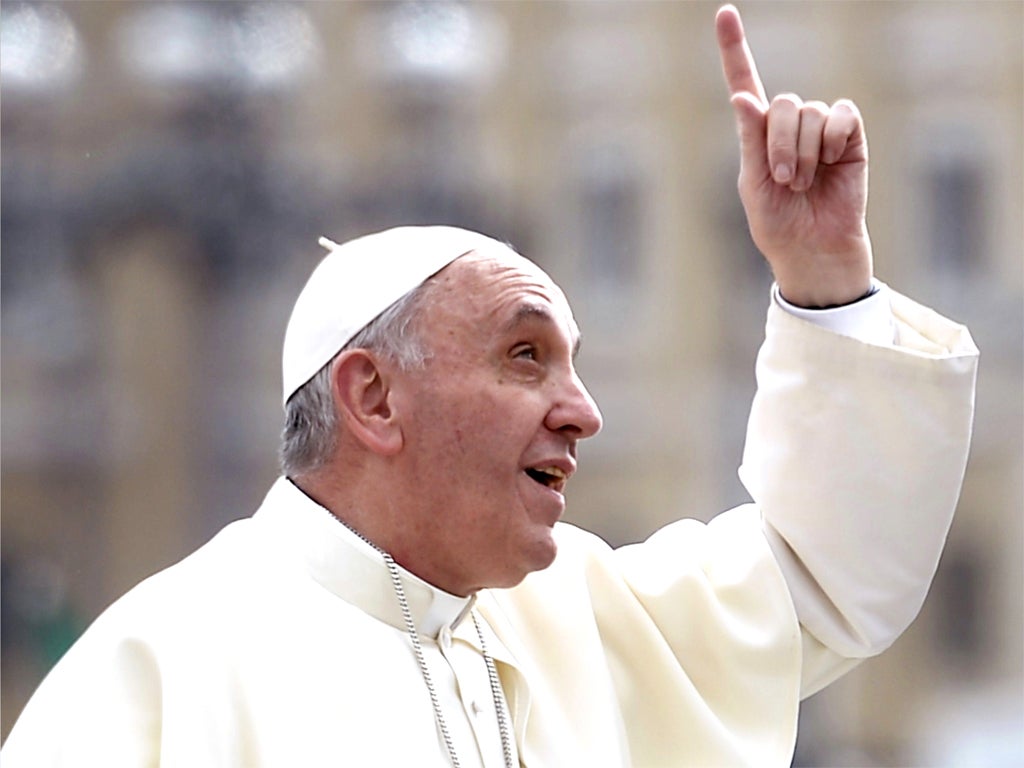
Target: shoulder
pixel 203 589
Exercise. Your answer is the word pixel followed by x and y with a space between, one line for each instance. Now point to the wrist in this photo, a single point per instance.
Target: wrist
pixel 818 272
pixel 821 283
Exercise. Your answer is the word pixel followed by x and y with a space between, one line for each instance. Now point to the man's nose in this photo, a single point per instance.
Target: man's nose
pixel 575 411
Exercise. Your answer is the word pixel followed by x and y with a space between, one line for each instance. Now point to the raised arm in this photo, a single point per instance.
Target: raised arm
pixel 855 449
pixel 803 181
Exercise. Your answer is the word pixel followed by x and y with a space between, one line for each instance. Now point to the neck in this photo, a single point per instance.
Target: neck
pixel 385 527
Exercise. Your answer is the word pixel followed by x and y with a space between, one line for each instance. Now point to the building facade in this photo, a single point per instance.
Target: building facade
pixel 167 169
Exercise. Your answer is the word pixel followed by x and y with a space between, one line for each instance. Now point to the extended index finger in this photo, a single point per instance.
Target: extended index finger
pixel 737 61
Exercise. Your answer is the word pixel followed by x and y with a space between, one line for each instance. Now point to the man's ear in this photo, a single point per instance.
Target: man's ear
pixel 363 398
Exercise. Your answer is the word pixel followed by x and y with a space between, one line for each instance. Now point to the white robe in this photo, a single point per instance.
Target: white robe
pixel 280 642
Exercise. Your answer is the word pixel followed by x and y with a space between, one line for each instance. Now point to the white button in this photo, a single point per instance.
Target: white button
pixel 445 637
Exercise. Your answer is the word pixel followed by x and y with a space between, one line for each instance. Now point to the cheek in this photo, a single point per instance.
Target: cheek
pixel 482 444
pixel 472 431
pixel 457 431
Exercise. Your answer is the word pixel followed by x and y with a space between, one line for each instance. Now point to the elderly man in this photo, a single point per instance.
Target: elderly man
pixel 406 595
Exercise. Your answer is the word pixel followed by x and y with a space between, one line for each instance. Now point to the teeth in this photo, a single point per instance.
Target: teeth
pixel 554 472
pixel 552 477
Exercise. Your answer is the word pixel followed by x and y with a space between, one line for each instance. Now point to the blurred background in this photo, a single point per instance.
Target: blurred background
pixel 168 167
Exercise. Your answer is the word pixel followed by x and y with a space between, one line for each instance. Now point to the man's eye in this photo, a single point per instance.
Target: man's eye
pixel 525 352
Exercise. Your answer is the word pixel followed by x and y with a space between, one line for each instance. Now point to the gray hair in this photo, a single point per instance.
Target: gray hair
pixel 310 430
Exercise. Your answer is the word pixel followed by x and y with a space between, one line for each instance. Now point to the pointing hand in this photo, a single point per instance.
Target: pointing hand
pixel 803 180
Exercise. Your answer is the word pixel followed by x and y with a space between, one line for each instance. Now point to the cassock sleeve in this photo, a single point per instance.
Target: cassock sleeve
pixel 855 455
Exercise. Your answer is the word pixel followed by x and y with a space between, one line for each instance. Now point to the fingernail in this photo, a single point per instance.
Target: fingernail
pixel 783 173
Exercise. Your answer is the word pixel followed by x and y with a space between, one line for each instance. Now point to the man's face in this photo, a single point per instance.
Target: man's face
pixel 495 418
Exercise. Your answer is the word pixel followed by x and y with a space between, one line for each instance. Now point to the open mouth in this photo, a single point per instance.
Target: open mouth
pixel 550 477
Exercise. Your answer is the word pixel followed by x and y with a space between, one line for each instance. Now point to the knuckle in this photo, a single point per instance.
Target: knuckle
pixel 816 108
pixel 846 105
pixel 787 101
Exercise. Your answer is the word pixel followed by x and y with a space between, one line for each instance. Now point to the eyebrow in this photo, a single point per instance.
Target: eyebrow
pixel 538 312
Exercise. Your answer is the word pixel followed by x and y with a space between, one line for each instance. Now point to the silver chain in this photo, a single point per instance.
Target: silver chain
pixel 410 627
pixel 496 693
pixel 492 672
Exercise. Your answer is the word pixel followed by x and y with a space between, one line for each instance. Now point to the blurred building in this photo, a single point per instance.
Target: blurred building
pixel 167 168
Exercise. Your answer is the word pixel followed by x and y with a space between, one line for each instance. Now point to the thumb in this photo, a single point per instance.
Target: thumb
pixel 751 125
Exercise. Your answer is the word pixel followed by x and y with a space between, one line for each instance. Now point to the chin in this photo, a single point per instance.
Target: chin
pixel 540 557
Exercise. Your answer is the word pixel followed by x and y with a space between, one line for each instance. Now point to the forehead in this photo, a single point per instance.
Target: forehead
pixel 498 289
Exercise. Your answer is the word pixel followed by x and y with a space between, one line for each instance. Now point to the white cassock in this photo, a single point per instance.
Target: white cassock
pixel 281 643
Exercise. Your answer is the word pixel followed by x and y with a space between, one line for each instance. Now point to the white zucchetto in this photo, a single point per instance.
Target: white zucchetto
pixel 357 281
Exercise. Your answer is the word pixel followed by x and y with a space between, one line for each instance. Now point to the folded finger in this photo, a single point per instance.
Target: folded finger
pixel 813 115
pixel 842 123
pixel 783 129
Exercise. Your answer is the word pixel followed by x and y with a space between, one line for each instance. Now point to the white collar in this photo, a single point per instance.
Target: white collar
pixel 349 567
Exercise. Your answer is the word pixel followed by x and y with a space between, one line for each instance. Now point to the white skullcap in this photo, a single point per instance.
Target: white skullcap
pixel 357 281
